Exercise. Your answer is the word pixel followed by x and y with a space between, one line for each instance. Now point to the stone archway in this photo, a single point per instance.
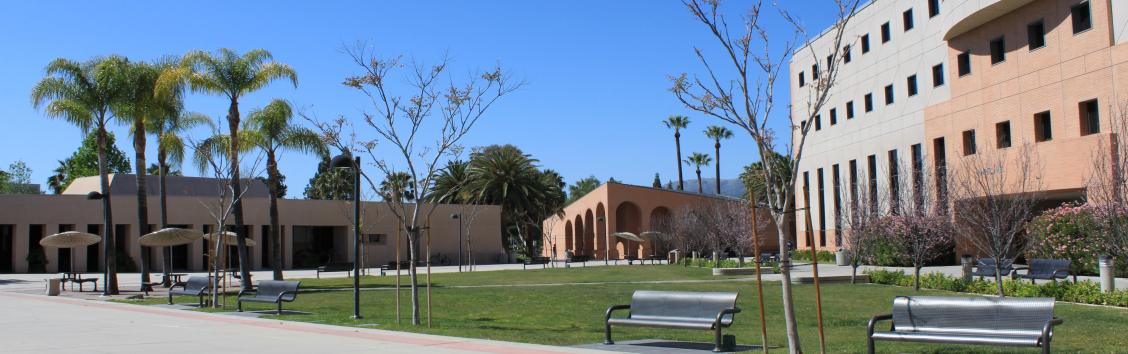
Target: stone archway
pixel 628 218
pixel 578 235
pixel 589 233
pixel 660 220
pixel 568 242
pixel 601 231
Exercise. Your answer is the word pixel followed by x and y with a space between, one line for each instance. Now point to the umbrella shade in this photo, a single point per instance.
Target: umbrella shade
pixel 628 236
pixel 228 238
pixel 70 239
pixel 654 235
pixel 170 237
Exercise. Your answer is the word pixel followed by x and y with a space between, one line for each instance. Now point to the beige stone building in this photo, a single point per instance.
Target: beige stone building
pixel 313 231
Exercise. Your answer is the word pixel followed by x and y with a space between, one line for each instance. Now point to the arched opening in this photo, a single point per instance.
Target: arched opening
pixel 601 231
pixel 568 235
pixel 661 220
pixel 628 218
pixel 578 236
pixel 589 233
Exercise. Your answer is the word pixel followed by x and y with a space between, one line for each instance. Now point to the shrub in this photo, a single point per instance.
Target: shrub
pixel 805 256
pixel 1085 292
pixel 1071 232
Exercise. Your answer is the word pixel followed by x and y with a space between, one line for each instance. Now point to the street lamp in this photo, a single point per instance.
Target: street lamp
pixel 459 217
pixel 344 161
pixel 107 233
pixel 606 242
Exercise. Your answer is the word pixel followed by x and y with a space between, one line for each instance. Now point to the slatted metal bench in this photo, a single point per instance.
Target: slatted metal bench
pixel 542 261
pixel 581 259
pixel 195 286
pixel 1046 269
pixel 335 267
pixel 1000 321
pixel 985 267
pixel 708 311
pixel 270 291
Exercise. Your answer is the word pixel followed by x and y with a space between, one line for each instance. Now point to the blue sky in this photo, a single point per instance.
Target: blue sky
pixel 596 71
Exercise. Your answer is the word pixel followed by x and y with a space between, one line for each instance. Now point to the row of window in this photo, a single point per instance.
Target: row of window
pixel 1089 120
pixel 911 84
pixel 886 36
pixel 1035 37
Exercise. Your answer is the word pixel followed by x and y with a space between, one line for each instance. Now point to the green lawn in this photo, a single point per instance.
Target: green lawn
pixel 573 314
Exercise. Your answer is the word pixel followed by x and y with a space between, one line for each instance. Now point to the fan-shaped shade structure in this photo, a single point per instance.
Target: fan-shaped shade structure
pixel 654 235
pixel 170 237
pixel 228 238
pixel 70 239
pixel 628 236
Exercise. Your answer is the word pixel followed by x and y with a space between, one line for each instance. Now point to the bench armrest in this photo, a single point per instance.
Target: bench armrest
pixel 182 285
pixel 734 310
pixel 1048 328
pixel 284 293
pixel 613 309
pixel 1061 271
pixel 245 291
pixel 873 321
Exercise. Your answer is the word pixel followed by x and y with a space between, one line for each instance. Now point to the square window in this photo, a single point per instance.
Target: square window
pixel 1082 17
pixel 846 54
pixel 833 116
pixel 829 60
pixel 998 50
pixel 1036 35
pixel 1090 117
pixel 1043 127
pixel 818 122
pixel 907 18
pixel 938 75
pixel 865 43
pixel 869 102
pixel 1003 135
pixel 912 84
pixel 886 34
pixel 888 95
pixel 815 72
pixel 963 61
pixel 933 8
pixel 969 142
pixel 802 79
pixel 850 110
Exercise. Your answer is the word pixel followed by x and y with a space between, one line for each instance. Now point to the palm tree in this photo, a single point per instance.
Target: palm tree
pixel 229 74
pixel 398 186
pixel 450 185
pixel 717 133
pixel 698 159
pixel 271 130
pixel 677 123
pixel 81 94
pixel 506 176
pixel 55 182
pixel 167 128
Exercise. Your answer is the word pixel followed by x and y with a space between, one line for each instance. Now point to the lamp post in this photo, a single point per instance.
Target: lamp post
pixel 343 161
pixel 459 217
pixel 606 242
pixel 107 233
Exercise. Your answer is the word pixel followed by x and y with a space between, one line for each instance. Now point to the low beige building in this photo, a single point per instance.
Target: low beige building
pixel 313 231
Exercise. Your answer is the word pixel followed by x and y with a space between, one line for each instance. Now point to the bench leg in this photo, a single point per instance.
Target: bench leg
pixel 869 345
pixel 170 298
pixel 607 335
pixel 239 305
pixel 279 307
pixel 718 346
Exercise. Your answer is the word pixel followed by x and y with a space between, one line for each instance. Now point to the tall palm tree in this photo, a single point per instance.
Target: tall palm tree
pixel 506 176
pixel 271 129
pixel 677 123
pixel 168 128
pixel 450 185
pixel 398 186
pixel 229 74
pixel 717 133
pixel 698 159
pixel 81 94
pixel 55 182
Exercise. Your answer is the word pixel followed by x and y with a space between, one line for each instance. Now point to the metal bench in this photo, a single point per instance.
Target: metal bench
pixel 985 267
pixel 1001 321
pixel 335 267
pixel 581 259
pixel 269 291
pixel 677 310
pixel 195 286
pixel 543 261
pixel 1046 269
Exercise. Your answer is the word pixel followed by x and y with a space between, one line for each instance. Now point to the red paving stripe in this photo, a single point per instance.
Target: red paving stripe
pixel 291 326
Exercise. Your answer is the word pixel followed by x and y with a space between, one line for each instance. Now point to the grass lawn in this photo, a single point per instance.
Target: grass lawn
pixel 573 314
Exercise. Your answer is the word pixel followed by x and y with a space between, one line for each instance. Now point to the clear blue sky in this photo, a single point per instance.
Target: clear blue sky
pixel 597 71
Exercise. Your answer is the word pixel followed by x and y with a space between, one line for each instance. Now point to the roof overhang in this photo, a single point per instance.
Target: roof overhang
pixel 974 13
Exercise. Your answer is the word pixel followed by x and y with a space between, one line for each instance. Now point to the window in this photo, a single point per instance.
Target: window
pixel 802 79
pixel 933 8
pixel 998 50
pixel 865 43
pixel 822 208
pixel 963 61
pixel 938 75
pixel 888 95
pixel 869 102
pixel 818 122
pixel 829 60
pixel 1003 135
pixel 885 33
pixel 1082 17
pixel 1090 117
pixel 854 185
pixel 1043 127
pixel 846 54
pixel 850 110
pixel 1036 35
pixel 815 72
pixel 894 183
pixel 871 161
pixel 912 84
pixel 836 183
pixel 918 176
pixel 378 239
pixel 907 18
pixel 833 116
pixel 940 166
pixel 969 142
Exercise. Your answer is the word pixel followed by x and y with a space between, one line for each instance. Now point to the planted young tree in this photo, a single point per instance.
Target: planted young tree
pixel 863 228
pixel 677 123
pixel 746 100
pixel 1108 183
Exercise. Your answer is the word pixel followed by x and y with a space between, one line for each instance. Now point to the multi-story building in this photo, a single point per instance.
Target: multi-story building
pixel 925 84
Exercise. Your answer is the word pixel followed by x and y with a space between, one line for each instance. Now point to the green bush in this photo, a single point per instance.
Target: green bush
pixel 1085 292
pixel 805 256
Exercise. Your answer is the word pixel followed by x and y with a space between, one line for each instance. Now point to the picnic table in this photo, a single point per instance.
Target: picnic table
pixel 69 277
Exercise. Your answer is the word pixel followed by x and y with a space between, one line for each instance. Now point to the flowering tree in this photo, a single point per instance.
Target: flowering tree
pixel 1108 185
pixel 923 236
pixel 1072 231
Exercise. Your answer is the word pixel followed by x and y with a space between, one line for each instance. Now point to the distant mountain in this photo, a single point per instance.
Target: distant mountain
pixel 729 187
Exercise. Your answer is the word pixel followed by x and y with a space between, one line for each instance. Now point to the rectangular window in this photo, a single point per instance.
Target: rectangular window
pixel 1082 17
pixel 854 186
pixel 940 167
pixel 818 122
pixel 886 34
pixel 802 79
pixel 918 176
pixel 869 102
pixel 833 116
pixel 1090 117
pixel 1003 135
pixel 815 72
pixel 933 8
pixel 846 54
pixel 998 50
pixel 829 61
pixel 938 75
pixel 912 84
pixel 836 184
pixel 894 183
pixel 822 209
pixel 888 95
pixel 963 61
pixel 907 18
pixel 872 162
pixel 969 142
pixel 1043 127
pixel 850 110
pixel 1036 35
pixel 865 43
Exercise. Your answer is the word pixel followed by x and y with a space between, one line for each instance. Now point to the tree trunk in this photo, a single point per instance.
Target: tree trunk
pixel 999 278
pixel 275 234
pixel 677 143
pixel 700 187
pixel 413 253
pixel 785 281
pixel 916 278
pixel 142 194
pixel 108 244
pixel 717 147
pixel 854 274
pixel 236 193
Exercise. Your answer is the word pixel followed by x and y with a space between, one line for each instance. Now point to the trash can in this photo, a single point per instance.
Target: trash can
pixel 842 258
pixel 53 286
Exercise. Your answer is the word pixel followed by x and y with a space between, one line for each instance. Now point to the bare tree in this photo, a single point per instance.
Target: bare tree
pixel 686 225
pixel 1108 183
pixel 747 101
pixel 993 198
pixel 861 229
